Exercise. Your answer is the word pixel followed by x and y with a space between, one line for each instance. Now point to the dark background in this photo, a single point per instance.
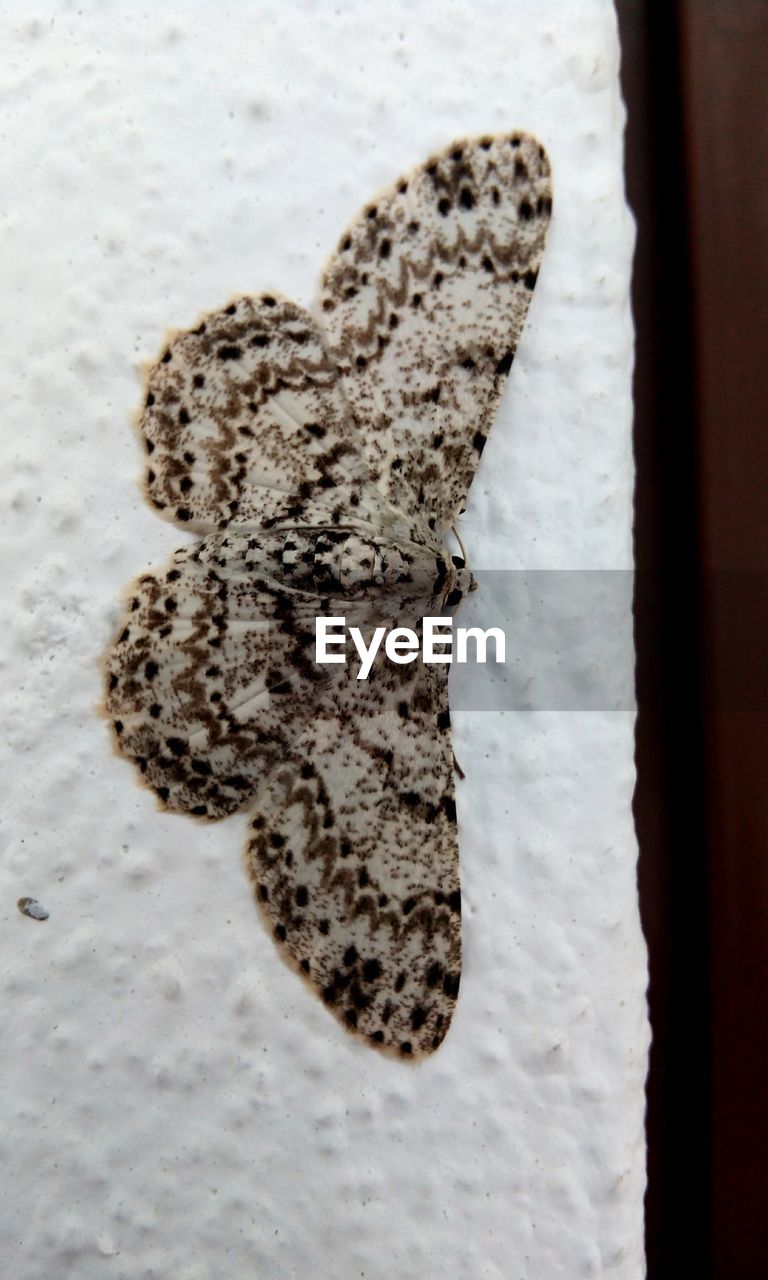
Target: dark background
pixel 694 75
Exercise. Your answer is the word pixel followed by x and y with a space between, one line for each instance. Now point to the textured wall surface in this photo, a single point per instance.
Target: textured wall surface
pixel 175 1103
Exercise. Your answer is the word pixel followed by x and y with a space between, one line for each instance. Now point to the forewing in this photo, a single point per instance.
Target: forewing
pixel 244 413
pixel 423 304
pixel 354 857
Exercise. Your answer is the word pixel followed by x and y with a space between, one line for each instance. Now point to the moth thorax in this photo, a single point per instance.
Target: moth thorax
pixel 355 564
pixel 340 561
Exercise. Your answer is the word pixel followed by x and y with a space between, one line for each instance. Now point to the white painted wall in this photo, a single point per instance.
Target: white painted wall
pixel 176 1104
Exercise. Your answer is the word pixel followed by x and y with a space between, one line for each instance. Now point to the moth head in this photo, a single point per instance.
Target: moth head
pixel 453 582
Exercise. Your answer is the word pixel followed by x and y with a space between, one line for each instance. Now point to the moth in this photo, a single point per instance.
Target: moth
pixel 322 460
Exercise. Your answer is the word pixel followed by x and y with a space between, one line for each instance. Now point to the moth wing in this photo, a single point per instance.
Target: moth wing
pixel 244 413
pixel 210 680
pixel 354 858
pixel 212 676
pixel 424 302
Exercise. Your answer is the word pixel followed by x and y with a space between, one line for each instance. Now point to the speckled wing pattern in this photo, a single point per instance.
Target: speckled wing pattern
pixel 322 463
pixel 424 302
pixel 243 412
pixel 354 859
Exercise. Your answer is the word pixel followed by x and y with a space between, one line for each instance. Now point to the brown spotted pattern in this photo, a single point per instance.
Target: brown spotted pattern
pixel 323 463
pixel 423 304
